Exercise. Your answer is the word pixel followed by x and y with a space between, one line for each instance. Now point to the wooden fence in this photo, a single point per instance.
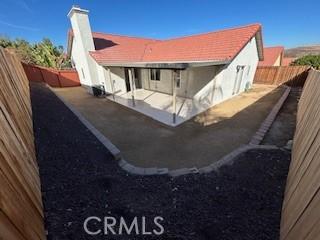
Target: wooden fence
pixel 53 77
pixel 21 212
pixel 301 207
pixel 293 76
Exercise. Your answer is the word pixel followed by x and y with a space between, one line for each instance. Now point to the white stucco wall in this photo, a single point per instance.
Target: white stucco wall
pixel 82 44
pixel 224 81
pixel 164 85
pixel 118 78
pixel 195 79
pixel 248 58
pixel 278 61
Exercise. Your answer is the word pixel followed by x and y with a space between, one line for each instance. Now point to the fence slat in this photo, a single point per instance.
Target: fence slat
pixel 301 207
pixel 21 210
pixel 294 76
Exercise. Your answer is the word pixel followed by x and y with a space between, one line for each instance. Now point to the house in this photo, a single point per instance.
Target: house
pixel 286 61
pixel 168 80
pixel 273 56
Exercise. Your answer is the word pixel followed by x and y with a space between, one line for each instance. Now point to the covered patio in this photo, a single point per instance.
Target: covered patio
pixel 159 106
pixel 155 98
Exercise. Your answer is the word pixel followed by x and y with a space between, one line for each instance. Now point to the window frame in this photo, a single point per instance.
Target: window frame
pixel 155 74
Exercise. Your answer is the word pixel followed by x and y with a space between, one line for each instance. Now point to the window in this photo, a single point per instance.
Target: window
pixel 155 74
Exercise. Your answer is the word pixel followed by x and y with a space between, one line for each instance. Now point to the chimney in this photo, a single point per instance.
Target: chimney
pixel 82 44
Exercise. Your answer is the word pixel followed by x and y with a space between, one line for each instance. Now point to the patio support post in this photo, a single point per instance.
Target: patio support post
pixel 174 96
pixel 131 86
pixel 111 83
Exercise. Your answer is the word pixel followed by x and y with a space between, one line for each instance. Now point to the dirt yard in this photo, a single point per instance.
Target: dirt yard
pixel 283 128
pixel 80 179
pixel 198 142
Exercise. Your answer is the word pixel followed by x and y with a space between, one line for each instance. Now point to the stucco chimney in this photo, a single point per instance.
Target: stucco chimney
pixel 82 44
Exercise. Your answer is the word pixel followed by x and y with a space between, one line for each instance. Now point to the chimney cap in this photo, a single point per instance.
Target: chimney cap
pixel 77 9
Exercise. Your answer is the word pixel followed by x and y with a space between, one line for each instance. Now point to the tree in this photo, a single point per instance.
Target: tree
pixel 5 42
pixel 24 50
pixel 44 53
pixel 309 60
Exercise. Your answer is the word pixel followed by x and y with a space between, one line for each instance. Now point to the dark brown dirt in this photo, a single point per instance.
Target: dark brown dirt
pixel 145 142
pixel 283 128
pixel 80 179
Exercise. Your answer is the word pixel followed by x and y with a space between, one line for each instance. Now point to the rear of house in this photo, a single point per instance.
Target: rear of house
pixel 168 80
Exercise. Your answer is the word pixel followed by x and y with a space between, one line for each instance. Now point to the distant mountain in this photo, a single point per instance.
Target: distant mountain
pixel 302 51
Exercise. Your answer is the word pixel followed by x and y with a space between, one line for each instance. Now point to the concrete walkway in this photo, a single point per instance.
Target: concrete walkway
pixel 198 142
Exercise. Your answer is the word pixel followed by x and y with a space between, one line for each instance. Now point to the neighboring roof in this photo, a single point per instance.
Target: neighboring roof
pixel 287 60
pixel 271 55
pixel 220 46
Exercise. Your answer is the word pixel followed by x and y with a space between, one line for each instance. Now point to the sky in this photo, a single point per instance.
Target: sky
pixel 286 23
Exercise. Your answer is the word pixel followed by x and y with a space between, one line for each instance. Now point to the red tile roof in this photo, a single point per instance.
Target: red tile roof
pixel 213 46
pixel 116 48
pixel 271 55
pixel 287 60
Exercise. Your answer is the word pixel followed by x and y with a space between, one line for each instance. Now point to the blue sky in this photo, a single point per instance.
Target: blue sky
pixel 287 23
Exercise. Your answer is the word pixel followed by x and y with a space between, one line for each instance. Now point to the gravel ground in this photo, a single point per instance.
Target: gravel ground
pixel 80 179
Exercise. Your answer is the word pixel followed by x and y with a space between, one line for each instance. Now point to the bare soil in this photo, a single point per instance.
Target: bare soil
pixel 283 128
pixel 198 142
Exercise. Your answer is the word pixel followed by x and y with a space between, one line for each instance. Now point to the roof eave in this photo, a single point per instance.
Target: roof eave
pixel 259 41
pixel 168 65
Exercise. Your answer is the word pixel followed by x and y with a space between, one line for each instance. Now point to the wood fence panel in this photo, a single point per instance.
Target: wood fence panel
pixel 290 75
pixel 53 77
pixel 301 207
pixel 21 211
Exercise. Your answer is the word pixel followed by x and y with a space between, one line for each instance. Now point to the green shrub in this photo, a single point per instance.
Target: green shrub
pixel 309 60
pixel 43 53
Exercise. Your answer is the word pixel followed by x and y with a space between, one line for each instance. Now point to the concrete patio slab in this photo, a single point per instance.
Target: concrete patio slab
pixel 197 143
pixel 158 105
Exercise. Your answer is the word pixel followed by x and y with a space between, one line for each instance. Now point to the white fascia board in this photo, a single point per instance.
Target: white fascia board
pixel 176 65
